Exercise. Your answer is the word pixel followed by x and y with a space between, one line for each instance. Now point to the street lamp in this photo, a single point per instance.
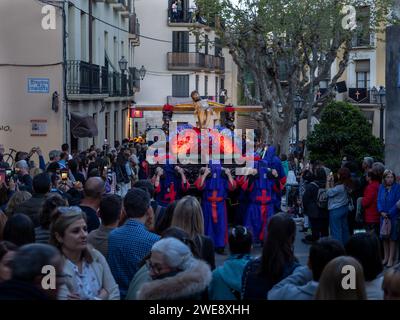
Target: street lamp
pixel 298 105
pixel 380 98
pixel 123 65
pixel 142 72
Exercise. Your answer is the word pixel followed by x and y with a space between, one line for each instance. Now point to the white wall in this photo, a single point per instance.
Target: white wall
pixel 157 85
pixel 105 12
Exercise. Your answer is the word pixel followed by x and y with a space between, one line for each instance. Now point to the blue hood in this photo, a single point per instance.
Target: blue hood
pixel 216 179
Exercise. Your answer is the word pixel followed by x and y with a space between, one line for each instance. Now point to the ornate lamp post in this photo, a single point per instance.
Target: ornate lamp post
pixel 380 98
pixel 298 105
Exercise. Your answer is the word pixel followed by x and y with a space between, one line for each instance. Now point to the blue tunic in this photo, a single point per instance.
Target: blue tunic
pixel 215 192
pixel 261 206
pixel 273 162
pixel 170 188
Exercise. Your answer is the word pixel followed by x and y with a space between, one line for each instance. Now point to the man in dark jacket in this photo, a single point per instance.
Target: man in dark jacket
pixel 93 193
pixel 319 218
pixel 24 179
pixel 31 207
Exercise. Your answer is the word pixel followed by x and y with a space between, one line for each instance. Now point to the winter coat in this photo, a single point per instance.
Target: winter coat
pixel 370 203
pixel 226 283
pixel 310 201
pixel 189 284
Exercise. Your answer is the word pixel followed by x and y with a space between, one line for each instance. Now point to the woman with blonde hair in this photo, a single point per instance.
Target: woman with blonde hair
pixel 335 278
pixel 87 274
pixel 188 216
pixel 16 199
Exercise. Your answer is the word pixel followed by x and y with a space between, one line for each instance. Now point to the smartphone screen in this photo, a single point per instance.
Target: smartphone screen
pixel 64 176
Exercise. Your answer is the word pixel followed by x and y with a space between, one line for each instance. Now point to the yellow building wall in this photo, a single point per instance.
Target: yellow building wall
pixel 23 41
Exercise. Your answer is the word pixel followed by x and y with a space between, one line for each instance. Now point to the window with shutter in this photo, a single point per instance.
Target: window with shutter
pixel 197 82
pixel 180 85
pixel 362 73
pixel 180 41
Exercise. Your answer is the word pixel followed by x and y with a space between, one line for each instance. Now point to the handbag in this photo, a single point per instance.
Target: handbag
pixel 386 228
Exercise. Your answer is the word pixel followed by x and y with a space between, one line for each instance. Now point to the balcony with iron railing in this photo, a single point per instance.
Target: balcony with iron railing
pixel 359 95
pixel 188 17
pixel 134 80
pixel 85 80
pixel 121 5
pixel 195 61
pixel 363 40
pixel 134 29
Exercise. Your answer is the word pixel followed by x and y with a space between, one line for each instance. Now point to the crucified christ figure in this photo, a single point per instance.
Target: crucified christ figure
pixel 202 110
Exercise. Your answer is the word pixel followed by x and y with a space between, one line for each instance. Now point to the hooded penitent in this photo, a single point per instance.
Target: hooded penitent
pixel 171 186
pixel 261 201
pixel 273 162
pixel 215 191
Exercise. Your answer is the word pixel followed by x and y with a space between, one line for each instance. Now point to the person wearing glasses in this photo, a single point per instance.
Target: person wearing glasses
pixel 226 283
pixel 175 273
pixel 142 276
pixel 87 275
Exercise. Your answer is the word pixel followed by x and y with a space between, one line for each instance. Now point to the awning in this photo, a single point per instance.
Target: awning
pixel 83 126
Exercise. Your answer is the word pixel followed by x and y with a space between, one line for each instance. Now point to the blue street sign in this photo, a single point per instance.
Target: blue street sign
pixel 38 85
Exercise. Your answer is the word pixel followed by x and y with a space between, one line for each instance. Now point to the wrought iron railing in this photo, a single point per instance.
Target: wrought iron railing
pixel 82 77
pixel 195 61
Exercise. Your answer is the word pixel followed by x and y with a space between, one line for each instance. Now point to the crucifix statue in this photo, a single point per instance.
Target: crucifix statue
pixel 202 110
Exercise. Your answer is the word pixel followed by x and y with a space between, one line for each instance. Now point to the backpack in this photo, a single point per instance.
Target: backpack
pixel 322 197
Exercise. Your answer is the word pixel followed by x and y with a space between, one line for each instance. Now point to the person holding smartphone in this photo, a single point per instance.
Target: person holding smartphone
pixel 24 180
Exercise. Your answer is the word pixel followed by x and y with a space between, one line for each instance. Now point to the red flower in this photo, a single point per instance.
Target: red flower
pixel 229 108
pixel 168 107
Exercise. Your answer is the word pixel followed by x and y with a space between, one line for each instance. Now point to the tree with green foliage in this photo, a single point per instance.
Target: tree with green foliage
pixel 289 47
pixel 343 131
